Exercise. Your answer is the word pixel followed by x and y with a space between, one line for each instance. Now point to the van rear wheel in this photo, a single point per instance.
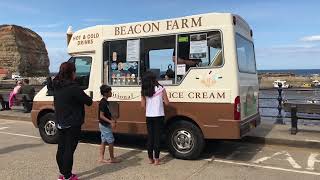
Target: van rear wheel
pixel 185 140
pixel 48 128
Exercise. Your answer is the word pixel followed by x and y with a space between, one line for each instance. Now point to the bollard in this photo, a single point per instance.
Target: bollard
pixel 279 116
pixel 294 120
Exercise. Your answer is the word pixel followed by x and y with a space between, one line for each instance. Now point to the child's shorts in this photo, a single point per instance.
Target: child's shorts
pixel 106 134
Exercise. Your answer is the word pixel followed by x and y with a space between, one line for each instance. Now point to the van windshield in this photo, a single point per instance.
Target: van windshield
pixel 83 68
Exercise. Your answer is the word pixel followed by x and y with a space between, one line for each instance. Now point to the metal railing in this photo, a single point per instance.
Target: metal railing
pixel 280 117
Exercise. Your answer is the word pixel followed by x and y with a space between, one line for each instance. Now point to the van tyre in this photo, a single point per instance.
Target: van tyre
pixel 185 140
pixel 48 129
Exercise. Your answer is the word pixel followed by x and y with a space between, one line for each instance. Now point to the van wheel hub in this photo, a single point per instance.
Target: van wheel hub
pixel 183 141
pixel 50 128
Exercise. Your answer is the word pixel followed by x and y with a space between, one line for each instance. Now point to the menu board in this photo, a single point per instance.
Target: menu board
pixel 198 46
pixel 133 50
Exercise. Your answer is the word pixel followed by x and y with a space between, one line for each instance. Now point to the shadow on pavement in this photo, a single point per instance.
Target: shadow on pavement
pixel 18 148
pixel 128 159
pixel 127 141
pixel 229 149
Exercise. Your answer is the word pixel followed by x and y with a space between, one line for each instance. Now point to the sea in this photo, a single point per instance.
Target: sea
pixel 301 72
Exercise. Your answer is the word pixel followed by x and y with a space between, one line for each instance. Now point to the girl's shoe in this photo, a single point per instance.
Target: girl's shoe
pixel 73 177
pixel 61 177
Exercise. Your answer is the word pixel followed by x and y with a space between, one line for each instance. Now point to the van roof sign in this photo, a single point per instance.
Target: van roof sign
pixel 148 27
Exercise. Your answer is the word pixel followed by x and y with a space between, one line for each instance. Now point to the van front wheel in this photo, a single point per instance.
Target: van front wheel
pixel 185 140
pixel 48 129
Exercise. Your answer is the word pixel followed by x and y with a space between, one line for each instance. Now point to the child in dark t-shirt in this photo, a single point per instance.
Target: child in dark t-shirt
pixel 106 124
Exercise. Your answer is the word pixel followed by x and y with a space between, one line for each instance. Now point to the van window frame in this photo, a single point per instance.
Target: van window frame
pixel 176 45
pixel 209 66
pixel 109 64
pixel 254 54
pixel 73 58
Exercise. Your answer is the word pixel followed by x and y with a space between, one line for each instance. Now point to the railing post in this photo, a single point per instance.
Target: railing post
pixel 294 120
pixel 279 116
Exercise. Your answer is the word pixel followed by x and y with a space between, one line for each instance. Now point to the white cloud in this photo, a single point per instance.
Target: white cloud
pixel 56 57
pixel 289 50
pixel 311 38
pixel 54 25
pixel 52 34
pixel 294 56
pixel 94 20
pixel 42 26
pixel 19 7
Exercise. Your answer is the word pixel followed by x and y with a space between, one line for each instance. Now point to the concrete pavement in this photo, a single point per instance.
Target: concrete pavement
pixel 24 155
pixel 266 133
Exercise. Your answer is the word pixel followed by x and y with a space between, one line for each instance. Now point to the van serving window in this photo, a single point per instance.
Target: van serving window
pixel 128 59
pixel 157 57
pixel 198 50
pixel 123 57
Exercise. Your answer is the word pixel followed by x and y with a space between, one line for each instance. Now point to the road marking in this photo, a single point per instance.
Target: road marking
pixel 22 135
pixel 124 148
pixel 312 160
pixel 293 163
pixel 117 147
pixel 4 123
pixel 209 159
pixel 267 167
pixel 311 140
pixel 14 121
pixel 2 128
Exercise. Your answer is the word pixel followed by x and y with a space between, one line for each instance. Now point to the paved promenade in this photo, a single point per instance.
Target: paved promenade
pixel 266 133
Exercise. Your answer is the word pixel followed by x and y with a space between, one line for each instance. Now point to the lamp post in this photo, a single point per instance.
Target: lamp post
pixel 279 116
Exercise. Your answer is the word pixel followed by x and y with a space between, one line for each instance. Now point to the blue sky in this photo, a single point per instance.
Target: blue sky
pixel 286 33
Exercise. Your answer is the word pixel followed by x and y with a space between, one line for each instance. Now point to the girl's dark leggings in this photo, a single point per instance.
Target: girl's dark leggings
pixel 154 126
pixel 67 144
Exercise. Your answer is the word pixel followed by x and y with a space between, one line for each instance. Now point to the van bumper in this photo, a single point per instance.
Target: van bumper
pixel 231 129
pixel 250 123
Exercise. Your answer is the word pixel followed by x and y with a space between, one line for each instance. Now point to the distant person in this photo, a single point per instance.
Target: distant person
pixel 106 125
pixel 69 101
pixel 13 93
pixel 153 96
pixel 4 103
pixel 28 93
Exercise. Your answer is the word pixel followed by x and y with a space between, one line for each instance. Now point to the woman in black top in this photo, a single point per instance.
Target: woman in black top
pixel 69 101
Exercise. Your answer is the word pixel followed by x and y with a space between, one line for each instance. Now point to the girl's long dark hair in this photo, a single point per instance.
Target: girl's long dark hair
pixel 149 81
pixel 65 72
pixel 64 76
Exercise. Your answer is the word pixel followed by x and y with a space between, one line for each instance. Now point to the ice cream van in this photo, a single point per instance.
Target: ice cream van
pixel 206 62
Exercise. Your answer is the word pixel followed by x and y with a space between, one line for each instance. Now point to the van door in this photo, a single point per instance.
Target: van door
pixel 83 69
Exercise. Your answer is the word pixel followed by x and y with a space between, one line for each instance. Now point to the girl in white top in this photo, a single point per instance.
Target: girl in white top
pixel 153 96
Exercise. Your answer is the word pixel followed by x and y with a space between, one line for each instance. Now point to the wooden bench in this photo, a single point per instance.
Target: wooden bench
pixel 302 107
